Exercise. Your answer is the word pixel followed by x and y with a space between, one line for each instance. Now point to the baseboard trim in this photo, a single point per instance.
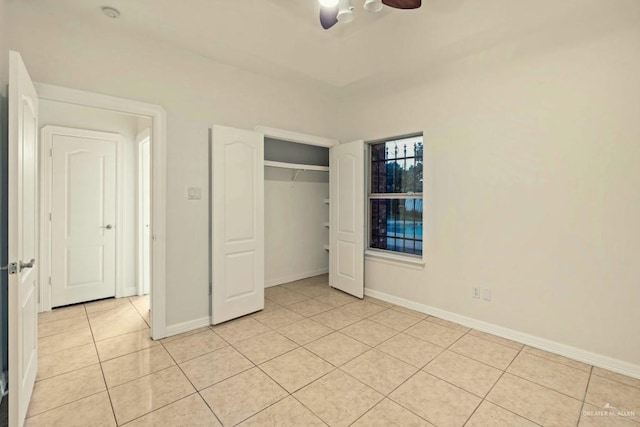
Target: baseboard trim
pixel 294 277
pixel 129 291
pixel 180 328
pixel 575 353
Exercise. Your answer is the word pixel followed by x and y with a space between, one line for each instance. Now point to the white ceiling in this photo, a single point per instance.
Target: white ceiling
pixel 283 38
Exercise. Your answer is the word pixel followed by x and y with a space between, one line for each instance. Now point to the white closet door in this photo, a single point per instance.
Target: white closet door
pixel 237 207
pixel 346 248
pixel 23 238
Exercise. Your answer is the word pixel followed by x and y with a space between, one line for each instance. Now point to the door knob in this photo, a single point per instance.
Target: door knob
pixel 29 264
pixel 108 226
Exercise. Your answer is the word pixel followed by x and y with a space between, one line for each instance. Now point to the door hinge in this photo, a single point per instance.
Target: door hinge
pixel 12 267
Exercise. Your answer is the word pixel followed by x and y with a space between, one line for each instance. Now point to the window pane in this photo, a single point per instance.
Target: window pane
pixel 396 225
pixel 396 166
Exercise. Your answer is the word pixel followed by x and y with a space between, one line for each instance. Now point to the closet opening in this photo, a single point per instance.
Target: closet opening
pixel 296 193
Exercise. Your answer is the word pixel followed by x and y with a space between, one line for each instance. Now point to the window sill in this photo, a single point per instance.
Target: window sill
pixel 400 260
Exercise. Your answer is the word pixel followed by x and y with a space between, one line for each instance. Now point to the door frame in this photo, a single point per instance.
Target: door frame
pixel 141 138
pixel 158 182
pixel 46 244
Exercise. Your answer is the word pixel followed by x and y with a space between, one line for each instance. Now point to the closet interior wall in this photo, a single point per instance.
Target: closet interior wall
pixel 296 212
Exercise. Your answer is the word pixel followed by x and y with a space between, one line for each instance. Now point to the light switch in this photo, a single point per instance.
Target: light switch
pixel 194 193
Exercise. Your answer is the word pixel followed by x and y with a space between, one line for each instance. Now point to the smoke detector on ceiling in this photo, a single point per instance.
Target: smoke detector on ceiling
pixel 110 12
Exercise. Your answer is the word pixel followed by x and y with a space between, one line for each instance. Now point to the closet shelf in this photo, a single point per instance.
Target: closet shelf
pixel 285 165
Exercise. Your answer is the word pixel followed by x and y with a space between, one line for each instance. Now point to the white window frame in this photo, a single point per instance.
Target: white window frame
pixel 383 254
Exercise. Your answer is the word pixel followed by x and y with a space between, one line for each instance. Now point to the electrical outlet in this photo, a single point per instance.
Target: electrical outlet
pixel 486 294
pixel 476 292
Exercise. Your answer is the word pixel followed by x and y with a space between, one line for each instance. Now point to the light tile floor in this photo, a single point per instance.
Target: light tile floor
pixel 314 356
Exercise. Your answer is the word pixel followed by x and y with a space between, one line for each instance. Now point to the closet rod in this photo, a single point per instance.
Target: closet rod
pixel 284 165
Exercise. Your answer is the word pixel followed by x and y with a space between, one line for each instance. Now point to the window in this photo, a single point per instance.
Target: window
pixel 395 195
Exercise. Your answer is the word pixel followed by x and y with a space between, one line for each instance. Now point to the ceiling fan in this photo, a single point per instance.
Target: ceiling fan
pixel 334 11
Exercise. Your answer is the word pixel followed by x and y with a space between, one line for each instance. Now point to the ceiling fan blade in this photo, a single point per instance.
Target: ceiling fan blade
pixel 328 16
pixel 403 4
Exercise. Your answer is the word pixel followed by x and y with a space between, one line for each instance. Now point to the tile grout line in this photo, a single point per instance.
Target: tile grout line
pixel 157 409
pixel 104 379
pixel 67 372
pixel 129 353
pixel 65 349
pixel 155 372
pixel 66 404
pixel 584 400
pixel 65 332
pixel 75 370
pixel 141 376
pixel 334 368
pixel 254 366
pixel 189 379
pixel 250 361
pixel 496 383
pixel 93 342
pixel 550 359
pixel 616 381
pixel 388 395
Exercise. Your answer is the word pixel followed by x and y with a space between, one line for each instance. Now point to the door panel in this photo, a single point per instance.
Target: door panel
pixel 23 238
pixel 83 207
pixel 237 207
pixel 346 254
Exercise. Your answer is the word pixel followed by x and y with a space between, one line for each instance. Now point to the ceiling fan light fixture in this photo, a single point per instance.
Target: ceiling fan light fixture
pixel 373 5
pixel 345 11
pixel 329 3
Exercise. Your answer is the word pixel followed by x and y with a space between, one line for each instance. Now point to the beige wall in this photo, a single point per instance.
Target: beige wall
pixel 196 93
pixel 532 164
pixel 532 185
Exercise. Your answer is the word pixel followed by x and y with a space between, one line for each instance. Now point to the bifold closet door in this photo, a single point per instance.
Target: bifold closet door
pixel 346 247
pixel 237 209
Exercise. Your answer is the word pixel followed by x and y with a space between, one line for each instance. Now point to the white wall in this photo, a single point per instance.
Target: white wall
pixel 76 116
pixel 532 183
pixel 195 91
pixel 294 232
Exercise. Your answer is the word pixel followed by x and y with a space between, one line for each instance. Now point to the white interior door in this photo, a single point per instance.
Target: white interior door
pixel 346 247
pixel 237 208
pixel 83 217
pixel 145 215
pixel 23 238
